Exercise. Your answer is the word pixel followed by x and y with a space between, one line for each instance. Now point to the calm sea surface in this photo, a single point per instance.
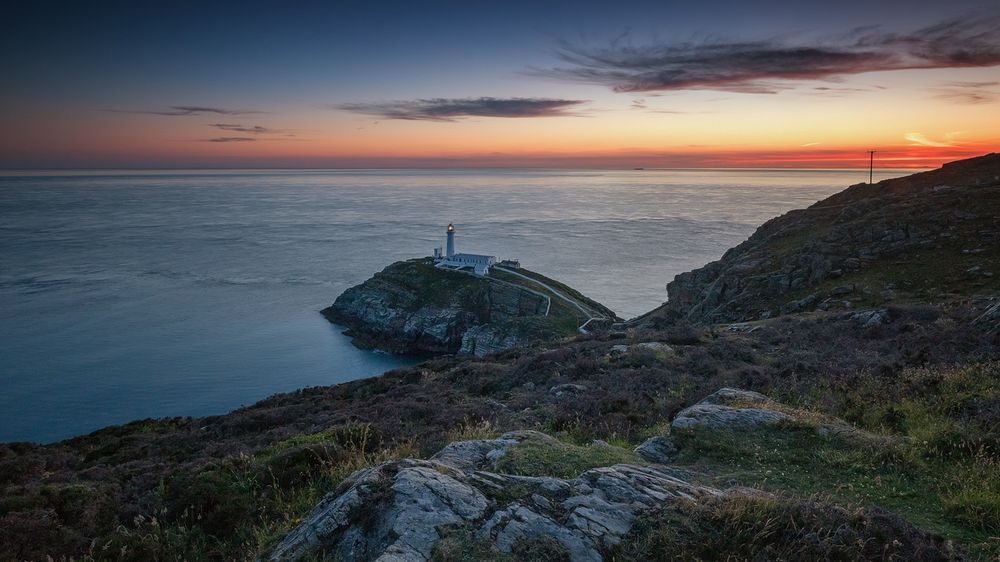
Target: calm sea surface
pixel 128 295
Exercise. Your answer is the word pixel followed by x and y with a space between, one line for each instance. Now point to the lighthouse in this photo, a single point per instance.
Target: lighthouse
pixel 479 264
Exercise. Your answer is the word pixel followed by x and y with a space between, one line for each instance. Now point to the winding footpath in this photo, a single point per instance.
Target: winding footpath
pixel 586 312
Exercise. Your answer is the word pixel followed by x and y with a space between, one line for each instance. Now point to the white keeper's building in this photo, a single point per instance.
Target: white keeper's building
pixel 479 263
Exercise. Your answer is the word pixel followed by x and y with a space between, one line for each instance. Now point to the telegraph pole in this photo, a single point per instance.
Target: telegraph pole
pixel 871 166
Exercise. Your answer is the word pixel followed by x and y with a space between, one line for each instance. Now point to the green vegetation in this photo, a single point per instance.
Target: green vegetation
pixel 939 467
pixel 240 507
pixel 595 307
pixel 551 457
pixel 749 527
pixel 908 280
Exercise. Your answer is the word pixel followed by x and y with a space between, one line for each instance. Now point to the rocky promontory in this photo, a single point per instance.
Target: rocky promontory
pixel 416 308
pixel 919 238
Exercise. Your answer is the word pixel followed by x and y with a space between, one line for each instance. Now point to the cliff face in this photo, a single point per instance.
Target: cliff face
pixel 915 238
pixel 413 307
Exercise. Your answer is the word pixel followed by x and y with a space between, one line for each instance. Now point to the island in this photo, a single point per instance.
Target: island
pixel 467 304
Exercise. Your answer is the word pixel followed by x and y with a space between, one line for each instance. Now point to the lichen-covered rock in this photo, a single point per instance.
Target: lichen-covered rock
pixel 710 416
pixel 729 409
pixel 395 511
pixel 484 453
pixel 660 450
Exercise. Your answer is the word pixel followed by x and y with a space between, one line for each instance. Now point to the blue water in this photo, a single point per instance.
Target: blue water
pixel 129 295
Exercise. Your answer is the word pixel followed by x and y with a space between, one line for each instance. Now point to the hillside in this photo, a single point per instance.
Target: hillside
pixel 847 432
pixel 920 238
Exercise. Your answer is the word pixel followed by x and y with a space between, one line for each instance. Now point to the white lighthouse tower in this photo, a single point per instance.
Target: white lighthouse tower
pixel 479 264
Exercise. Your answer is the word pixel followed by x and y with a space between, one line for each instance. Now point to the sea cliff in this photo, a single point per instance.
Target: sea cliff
pixel 414 307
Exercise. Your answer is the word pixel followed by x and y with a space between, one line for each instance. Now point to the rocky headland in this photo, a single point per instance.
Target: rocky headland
pixel 920 238
pixel 735 423
pixel 415 308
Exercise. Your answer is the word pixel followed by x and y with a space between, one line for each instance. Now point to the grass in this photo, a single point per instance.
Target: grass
pixel 739 527
pixel 243 507
pixel 941 470
pixel 551 457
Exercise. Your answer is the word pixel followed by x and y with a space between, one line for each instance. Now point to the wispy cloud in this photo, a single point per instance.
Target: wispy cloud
pixel 251 129
pixel 453 109
pixel 768 66
pixel 970 92
pixel 185 110
pixel 918 139
pixel 231 139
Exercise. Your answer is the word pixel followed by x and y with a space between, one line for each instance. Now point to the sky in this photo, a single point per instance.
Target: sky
pixel 715 83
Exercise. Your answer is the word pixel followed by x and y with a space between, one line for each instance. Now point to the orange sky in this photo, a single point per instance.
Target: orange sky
pixel 123 107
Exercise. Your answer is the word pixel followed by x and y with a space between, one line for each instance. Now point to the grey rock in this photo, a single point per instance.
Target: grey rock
pixel 842 290
pixel 726 396
pixel 870 318
pixel 717 411
pixel 411 500
pixel 657 449
pixel 475 455
pixel 708 416
pixel 561 390
pixel 655 346
pixel 619 348
pixel 395 512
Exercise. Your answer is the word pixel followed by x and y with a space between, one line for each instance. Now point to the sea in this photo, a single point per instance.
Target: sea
pixel 134 294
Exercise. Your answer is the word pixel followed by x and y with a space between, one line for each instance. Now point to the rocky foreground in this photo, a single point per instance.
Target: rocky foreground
pixel 404 510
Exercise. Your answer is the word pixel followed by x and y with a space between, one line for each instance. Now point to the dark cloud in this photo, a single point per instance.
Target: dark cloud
pixel 767 66
pixel 442 109
pixel 184 110
pixel 231 139
pixel 252 129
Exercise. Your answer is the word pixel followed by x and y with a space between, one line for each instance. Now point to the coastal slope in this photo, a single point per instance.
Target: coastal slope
pixel 920 238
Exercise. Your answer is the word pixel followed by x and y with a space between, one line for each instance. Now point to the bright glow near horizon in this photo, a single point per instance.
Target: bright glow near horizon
pixel 446 86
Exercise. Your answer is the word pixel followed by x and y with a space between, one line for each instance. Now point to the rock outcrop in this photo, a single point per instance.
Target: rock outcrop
pixel 867 245
pixel 412 307
pixel 659 449
pixel 729 409
pixel 744 411
pixel 397 511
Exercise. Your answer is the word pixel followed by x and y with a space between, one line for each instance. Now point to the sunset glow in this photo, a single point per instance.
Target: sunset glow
pixel 509 92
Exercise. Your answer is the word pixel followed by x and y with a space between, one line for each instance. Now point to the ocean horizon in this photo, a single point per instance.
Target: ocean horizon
pixel 152 293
